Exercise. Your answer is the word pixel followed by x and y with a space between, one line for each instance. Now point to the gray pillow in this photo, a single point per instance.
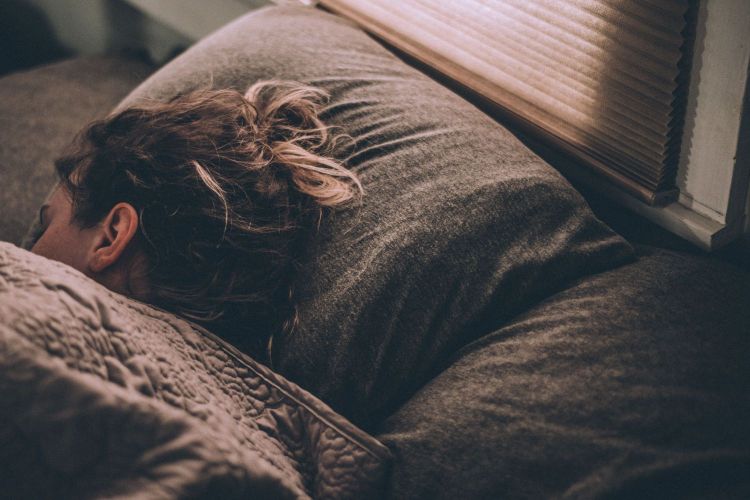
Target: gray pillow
pixel 461 228
pixel 629 384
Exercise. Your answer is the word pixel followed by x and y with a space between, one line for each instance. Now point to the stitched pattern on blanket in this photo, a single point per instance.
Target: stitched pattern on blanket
pixel 247 413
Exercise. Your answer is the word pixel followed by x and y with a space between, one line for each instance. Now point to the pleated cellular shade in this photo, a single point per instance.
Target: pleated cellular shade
pixel 602 79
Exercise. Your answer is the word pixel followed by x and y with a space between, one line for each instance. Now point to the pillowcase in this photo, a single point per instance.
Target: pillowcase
pixel 461 226
pixel 629 384
pixel 103 396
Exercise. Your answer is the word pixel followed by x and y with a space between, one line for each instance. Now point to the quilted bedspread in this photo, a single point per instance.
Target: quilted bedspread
pixel 103 396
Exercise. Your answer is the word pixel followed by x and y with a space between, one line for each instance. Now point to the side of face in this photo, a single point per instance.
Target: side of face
pixel 62 240
pixel 105 252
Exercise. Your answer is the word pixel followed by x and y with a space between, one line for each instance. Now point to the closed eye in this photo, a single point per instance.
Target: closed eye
pixel 42 213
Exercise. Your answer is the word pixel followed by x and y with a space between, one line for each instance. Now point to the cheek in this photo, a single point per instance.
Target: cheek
pixel 44 245
pixel 62 244
pixel 49 245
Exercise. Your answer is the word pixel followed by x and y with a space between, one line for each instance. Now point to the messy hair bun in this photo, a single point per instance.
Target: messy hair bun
pixel 288 118
pixel 228 186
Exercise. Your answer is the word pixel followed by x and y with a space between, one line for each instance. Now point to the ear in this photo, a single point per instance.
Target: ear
pixel 113 237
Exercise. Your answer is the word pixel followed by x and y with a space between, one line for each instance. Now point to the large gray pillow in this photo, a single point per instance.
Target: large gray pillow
pixel 629 384
pixel 461 227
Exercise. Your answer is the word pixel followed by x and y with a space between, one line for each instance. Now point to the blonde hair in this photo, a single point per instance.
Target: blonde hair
pixel 229 186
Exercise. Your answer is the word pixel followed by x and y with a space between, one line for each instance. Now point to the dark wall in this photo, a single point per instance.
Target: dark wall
pixel 26 37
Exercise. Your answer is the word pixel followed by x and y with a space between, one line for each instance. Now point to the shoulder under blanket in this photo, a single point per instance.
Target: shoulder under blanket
pixel 103 396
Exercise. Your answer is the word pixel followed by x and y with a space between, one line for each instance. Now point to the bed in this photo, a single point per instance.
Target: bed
pixel 471 330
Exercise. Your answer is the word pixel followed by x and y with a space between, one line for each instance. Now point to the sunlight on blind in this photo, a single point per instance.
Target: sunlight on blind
pixel 598 76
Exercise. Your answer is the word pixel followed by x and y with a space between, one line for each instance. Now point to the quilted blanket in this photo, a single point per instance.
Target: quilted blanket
pixel 103 396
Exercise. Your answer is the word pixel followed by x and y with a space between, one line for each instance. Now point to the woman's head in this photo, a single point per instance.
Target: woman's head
pixel 201 205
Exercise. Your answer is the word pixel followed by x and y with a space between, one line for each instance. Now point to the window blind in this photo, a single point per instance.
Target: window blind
pixel 602 79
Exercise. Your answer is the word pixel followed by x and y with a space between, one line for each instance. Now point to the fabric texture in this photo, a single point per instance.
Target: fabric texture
pixel 461 227
pixel 40 112
pixel 630 384
pixel 106 397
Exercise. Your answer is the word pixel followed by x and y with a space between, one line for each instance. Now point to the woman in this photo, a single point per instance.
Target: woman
pixel 201 205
